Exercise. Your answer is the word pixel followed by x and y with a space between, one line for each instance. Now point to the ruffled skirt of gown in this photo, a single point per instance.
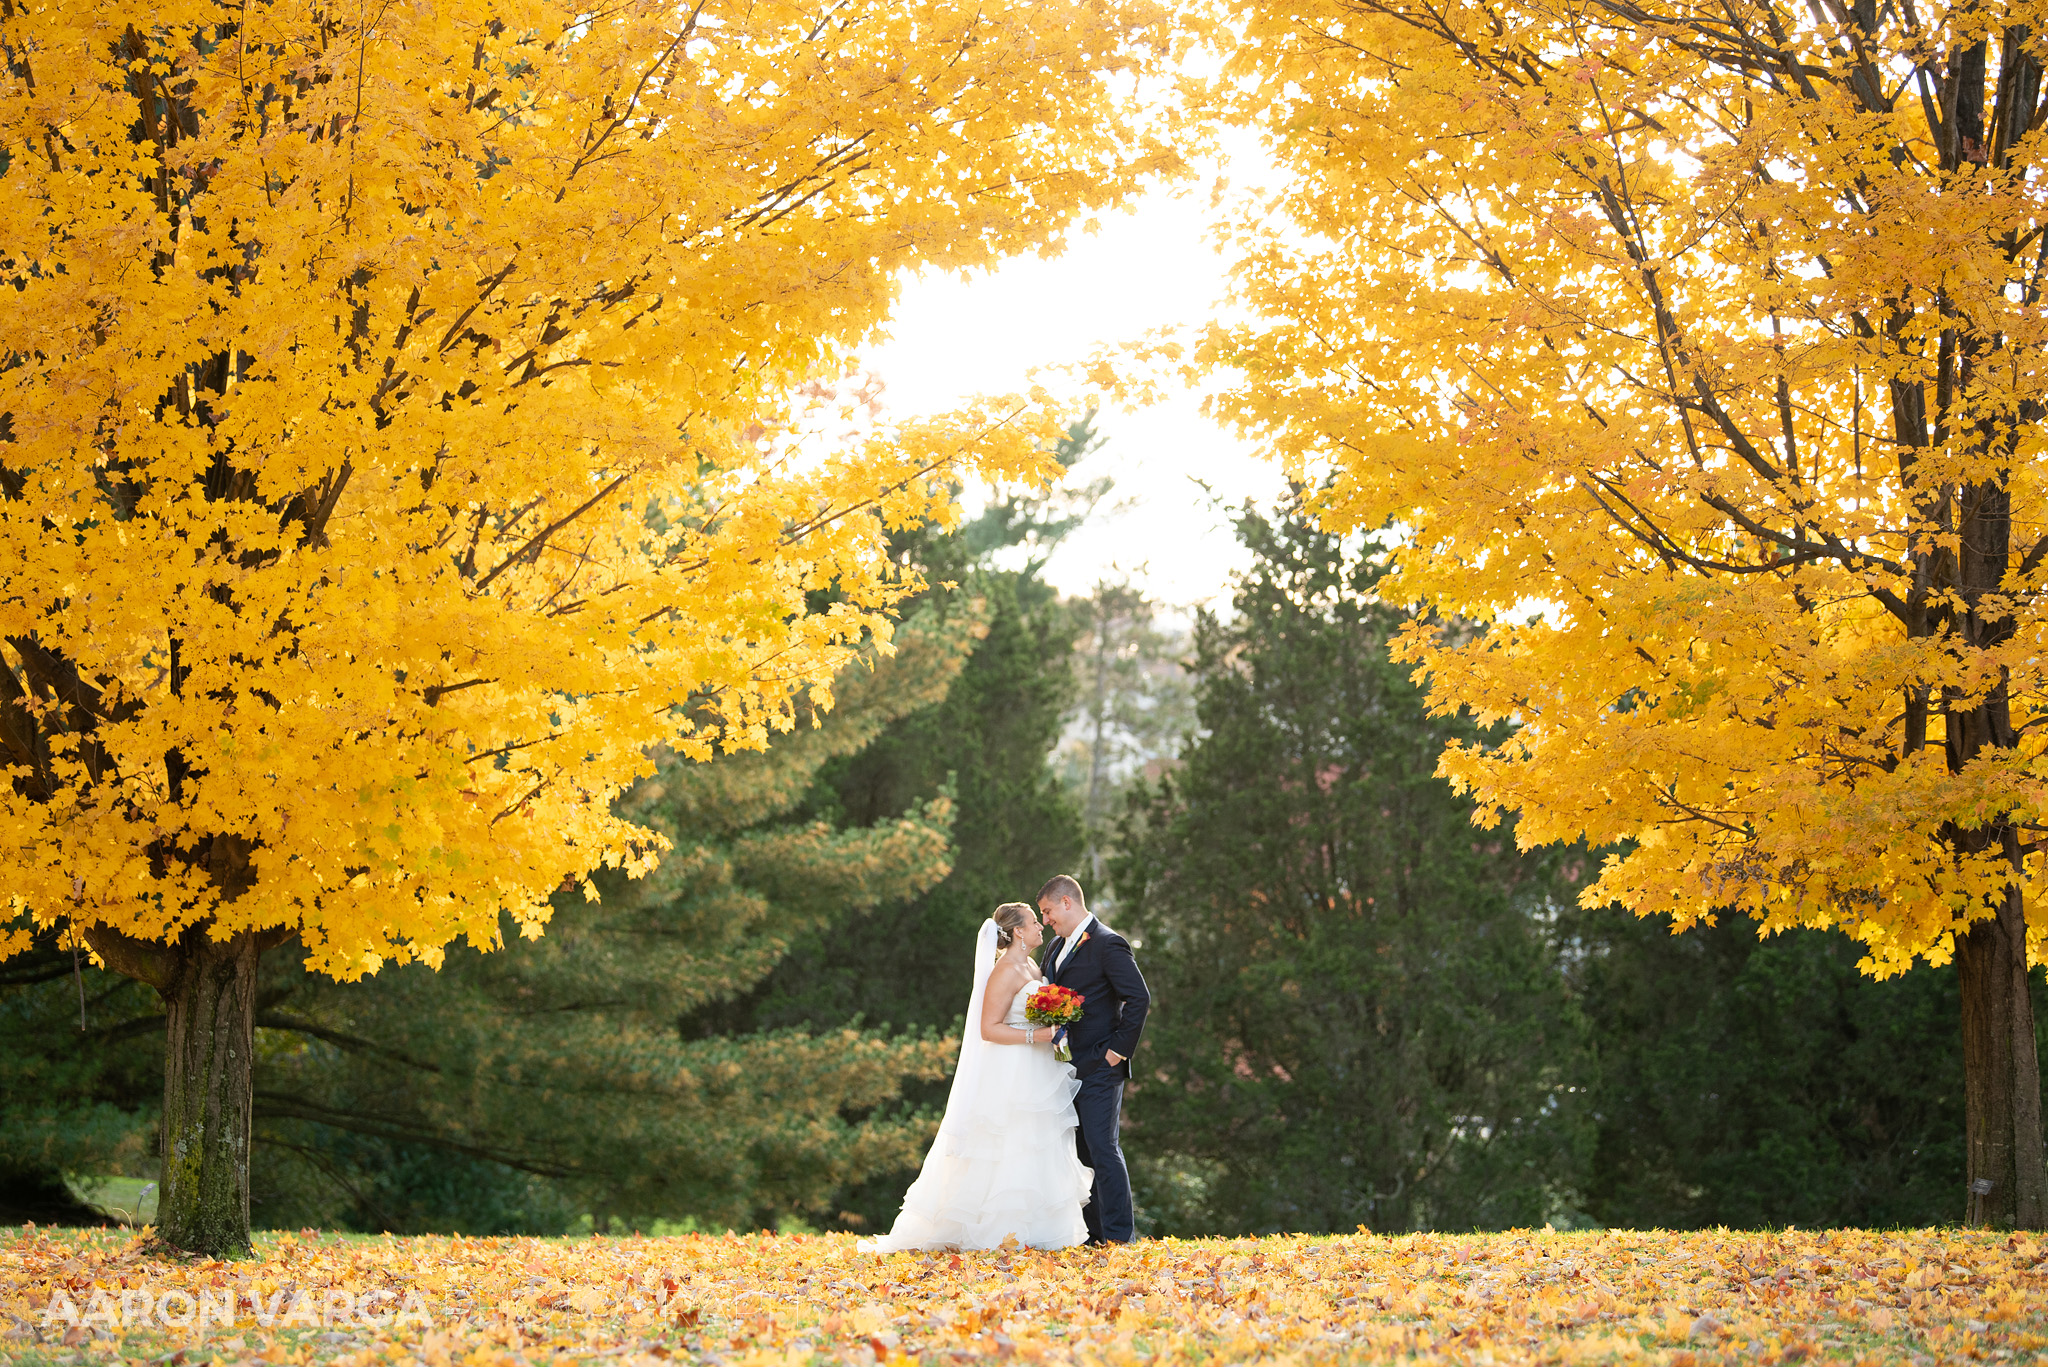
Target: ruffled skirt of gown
pixel 1007 1169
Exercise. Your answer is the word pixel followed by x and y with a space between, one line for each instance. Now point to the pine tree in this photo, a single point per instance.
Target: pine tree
pixel 81 1076
pixel 1360 1020
pixel 990 745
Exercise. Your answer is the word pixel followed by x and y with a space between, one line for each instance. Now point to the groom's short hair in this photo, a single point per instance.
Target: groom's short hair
pixel 1062 885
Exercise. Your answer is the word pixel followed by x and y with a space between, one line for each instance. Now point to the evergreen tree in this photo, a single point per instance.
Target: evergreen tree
pixel 1360 1019
pixel 81 1080
pixel 563 1057
pixel 1748 1082
pixel 989 744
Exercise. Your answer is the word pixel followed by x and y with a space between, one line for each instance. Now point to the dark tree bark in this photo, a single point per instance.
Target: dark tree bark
pixel 209 992
pixel 2001 1074
pixel 2005 1172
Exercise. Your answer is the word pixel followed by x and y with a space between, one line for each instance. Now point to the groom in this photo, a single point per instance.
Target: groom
pixel 1095 961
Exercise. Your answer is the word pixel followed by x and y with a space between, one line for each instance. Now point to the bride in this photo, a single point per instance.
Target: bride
pixel 1003 1162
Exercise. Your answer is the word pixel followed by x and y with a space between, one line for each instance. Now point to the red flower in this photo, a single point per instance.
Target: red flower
pixel 1053 1005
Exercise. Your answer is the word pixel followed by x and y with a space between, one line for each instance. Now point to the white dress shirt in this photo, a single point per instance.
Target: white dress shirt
pixel 1067 949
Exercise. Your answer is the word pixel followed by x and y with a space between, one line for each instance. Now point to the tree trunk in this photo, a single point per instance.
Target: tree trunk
pixel 2005 1173
pixel 209 1044
pixel 209 992
pixel 1091 817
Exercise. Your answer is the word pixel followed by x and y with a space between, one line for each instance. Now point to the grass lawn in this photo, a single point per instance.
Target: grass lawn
pixel 1657 1299
pixel 131 1200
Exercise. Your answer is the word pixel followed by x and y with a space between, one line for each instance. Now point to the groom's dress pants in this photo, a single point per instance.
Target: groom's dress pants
pixel 1100 1107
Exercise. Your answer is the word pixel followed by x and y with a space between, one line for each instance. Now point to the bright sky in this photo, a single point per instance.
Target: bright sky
pixel 1145 269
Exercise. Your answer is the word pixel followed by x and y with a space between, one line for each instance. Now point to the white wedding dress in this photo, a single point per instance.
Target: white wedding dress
pixel 1003 1163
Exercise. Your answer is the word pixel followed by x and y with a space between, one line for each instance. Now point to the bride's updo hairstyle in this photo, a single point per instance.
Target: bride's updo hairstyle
pixel 1008 917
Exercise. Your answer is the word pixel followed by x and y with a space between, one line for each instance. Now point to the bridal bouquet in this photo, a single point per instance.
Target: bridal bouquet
pixel 1056 1006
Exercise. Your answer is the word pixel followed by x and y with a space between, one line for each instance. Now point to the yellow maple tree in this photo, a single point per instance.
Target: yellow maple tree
pixel 402 419
pixel 1696 351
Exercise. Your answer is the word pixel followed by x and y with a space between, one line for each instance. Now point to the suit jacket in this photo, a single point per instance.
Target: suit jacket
pixel 1115 998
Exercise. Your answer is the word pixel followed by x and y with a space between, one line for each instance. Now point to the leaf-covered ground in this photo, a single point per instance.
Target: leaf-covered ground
pixel 1683 1300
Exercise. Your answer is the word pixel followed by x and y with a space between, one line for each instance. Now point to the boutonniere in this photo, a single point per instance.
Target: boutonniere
pixel 1082 941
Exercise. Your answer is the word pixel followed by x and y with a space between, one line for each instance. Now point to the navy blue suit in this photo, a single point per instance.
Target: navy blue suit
pixel 1113 1011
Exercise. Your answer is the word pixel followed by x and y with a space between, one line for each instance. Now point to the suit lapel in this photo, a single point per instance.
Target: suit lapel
pixel 1058 949
pixel 1051 966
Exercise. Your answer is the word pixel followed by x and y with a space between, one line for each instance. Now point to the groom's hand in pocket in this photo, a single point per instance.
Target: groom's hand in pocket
pixel 1112 1057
